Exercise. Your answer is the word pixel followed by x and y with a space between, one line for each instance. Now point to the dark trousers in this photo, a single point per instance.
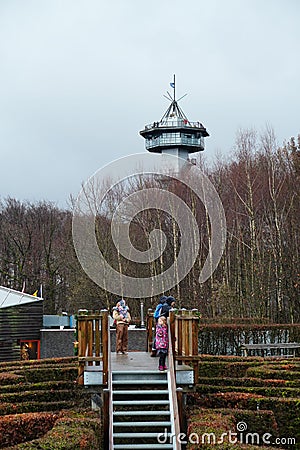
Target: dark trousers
pixel 162 359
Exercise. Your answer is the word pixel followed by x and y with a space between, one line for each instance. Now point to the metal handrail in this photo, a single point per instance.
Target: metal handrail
pixel 172 388
pixel 173 123
pixel 109 386
pixel 107 398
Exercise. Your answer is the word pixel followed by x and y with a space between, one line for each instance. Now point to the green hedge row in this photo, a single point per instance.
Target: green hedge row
pixel 286 410
pixel 227 369
pixel 44 385
pixel 209 429
pixel 37 406
pixel 24 427
pixel 249 368
pixel 41 396
pixel 266 391
pixel 34 375
pixel 31 391
pixel 247 381
pixel 278 374
pixel 10 378
pixel 252 385
pixel 11 365
pixel 69 433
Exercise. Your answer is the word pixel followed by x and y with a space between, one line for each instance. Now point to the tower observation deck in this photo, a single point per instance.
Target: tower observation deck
pixel 174 133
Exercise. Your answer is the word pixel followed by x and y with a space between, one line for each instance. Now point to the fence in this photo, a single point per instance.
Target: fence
pixel 93 344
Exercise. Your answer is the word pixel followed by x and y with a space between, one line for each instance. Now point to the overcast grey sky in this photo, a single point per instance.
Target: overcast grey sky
pixel 80 78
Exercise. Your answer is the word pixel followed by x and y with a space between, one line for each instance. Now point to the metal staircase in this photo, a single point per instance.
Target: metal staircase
pixel 142 410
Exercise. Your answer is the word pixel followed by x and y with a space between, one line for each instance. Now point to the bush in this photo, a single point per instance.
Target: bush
pixel 10 378
pixel 209 429
pixel 69 433
pixel 24 427
pixel 226 369
pixel 20 408
pixel 267 373
pixel 265 391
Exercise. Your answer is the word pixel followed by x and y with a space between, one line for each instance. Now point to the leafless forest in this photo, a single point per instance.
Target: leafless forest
pixel 258 276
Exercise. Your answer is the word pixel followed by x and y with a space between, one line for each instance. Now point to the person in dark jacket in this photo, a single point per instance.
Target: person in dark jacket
pixel 169 304
pixel 157 311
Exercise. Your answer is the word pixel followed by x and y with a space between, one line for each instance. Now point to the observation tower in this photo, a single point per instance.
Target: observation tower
pixel 174 134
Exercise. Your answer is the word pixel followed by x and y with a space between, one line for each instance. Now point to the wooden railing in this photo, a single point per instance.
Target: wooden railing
pixel 184 326
pixel 185 338
pixel 93 343
pixel 150 330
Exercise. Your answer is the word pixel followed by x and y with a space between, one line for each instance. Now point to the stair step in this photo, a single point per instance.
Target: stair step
pixel 141 392
pixel 138 435
pixel 137 372
pixel 143 446
pixel 142 382
pixel 139 375
pixel 140 402
pixel 142 424
pixel 141 413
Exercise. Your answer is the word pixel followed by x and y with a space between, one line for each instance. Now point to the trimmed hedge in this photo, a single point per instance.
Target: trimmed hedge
pixel 35 395
pixel 10 378
pixel 227 369
pixel 44 385
pixel 36 374
pixel 20 408
pixel 24 427
pixel 11 365
pixel 227 339
pixel 265 373
pixel 286 411
pixel 253 385
pixel 265 391
pixel 80 432
pixel 247 381
pixel 209 429
pixel 42 396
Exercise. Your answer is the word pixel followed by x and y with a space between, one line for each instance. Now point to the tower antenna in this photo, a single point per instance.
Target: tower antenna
pixel 173 85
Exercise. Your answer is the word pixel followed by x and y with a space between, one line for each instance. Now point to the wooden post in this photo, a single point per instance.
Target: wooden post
pixel 195 326
pixel 104 332
pixel 149 330
pixel 106 418
pixel 172 331
pixel 82 336
pixel 179 392
pixel 186 337
pixel 90 339
pixel 98 340
pixel 179 338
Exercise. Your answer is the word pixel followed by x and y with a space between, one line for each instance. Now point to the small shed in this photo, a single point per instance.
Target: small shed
pixel 21 319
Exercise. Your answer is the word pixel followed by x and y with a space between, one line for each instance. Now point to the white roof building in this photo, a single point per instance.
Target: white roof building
pixel 10 297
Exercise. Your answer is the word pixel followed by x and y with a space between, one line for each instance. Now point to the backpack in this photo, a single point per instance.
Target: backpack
pixel 164 311
pixel 157 311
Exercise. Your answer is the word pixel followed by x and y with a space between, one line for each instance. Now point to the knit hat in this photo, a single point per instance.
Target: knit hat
pixel 163 299
pixel 170 300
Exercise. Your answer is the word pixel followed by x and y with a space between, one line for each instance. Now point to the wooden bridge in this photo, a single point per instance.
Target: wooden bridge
pixel 142 406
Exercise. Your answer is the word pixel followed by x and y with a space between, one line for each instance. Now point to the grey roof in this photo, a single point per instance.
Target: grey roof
pixel 10 297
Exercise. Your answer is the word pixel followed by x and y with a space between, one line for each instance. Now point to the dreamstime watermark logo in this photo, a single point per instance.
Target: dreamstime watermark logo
pixel 240 436
pixel 119 173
